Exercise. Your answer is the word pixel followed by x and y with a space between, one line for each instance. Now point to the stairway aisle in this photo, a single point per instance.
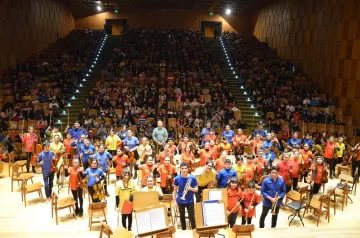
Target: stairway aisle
pixel 249 113
pixel 86 86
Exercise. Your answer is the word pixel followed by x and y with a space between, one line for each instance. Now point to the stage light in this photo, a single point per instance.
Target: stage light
pixel 98 8
pixel 228 11
pixel 236 76
pixel 252 106
pixel 116 11
pixel 248 99
pixel 231 67
pixel 242 87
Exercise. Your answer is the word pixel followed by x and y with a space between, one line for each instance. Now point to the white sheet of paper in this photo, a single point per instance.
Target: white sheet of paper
pixel 157 217
pixel 215 195
pixel 143 222
pixel 214 214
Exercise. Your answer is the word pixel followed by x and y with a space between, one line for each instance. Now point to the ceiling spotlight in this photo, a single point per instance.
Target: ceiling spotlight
pixel 99 8
pixel 236 76
pixel 242 87
pixel 231 68
pixel 228 11
pixel 252 106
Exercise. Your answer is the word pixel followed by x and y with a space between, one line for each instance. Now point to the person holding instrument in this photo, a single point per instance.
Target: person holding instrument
pixel 121 162
pixel 76 185
pixel 318 170
pixel 46 159
pixel 330 153
pixel 185 185
pixel 167 173
pixel 95 174
pixel 30 139
pixel 273 190
pixel 235 197
pixel 104 159
pixel 307 157
pixel 251 200
pixel 225 174
pixel 205 176
pixel 131 143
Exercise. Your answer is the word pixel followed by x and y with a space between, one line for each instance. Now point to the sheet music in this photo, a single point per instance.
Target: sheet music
pixel 143 222
pixel 157 217
pixel 215 195
pixel 214 214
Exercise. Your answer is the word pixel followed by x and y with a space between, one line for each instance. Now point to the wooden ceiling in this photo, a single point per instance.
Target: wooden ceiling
pixel 82 8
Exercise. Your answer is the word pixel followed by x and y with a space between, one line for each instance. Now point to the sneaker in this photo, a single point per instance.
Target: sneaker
pixel 129 229
pixel 331 177
pixel 77 211
pixel 107 194
pixel 34 171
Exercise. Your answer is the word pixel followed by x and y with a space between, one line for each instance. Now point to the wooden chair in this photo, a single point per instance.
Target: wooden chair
pixel 330 129
pixel 32 188
pixel 311 127
pixel 106 230
pixel 19 176
pixel 167 200
pixel 331 192
pixel 343 194
pixel 296 205
pixel 237 115
pixel 96 207
pixel 321 205
pixel 61 203
pixel 339 129
pixel 350 180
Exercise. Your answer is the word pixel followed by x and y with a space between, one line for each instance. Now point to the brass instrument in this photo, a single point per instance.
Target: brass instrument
pixel 186 189
pixel 273 208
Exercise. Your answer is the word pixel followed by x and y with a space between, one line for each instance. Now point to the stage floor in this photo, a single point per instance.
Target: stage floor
pixel 35 220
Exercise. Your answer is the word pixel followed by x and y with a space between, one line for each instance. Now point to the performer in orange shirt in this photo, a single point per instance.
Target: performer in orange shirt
pixel 76 185
pixel 166 152
pixel 251 200
pixel 295 165
pixel 317 170
pixel 172 147
pixel 187 157
pixel 235 197
pixel 147 169
pixel 261 164
pixel 239 141
pixel 254 144
pixel 307 157
pixel 121 161
pixel 215 150
pixel 250 168
pixel 67 144
pixel 211 136
pixel 285 171
pixel 330 154
pixel 225 146
pixel 167 174
pixel 185 142
pixel 30 139
pixel 356 161
pixel 205 154
pixel 219 163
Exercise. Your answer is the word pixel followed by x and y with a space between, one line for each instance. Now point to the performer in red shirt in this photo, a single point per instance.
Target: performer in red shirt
pixel 30 140
pixel 251 199
pixel 285 171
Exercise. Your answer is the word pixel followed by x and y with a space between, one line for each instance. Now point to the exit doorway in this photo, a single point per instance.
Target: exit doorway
pixel 116 26
pixel 208 28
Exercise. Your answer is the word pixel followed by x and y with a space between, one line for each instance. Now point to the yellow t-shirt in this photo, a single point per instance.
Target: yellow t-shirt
pixel 112 142
pixel 56 147
pixel 341 147
pixel 53 134
pixel 204 179
pixel 124 192
pixel 239 169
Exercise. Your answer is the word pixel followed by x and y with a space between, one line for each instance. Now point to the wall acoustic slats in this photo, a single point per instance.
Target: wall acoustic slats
pixel 322 37
pixel 29 26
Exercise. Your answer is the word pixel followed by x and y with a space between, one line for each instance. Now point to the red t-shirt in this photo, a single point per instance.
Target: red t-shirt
pixel 234 195
pixel 284 170
pixel 119 160
pixel 319 173
pixel 329 150
pixel 29 141
pixel 253 198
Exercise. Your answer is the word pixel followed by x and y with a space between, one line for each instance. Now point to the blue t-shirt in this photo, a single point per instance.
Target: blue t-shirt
pixel 204 132
pixel 103 159
pixel 180 182
pixel 92 174
pixel 293 142
pixel 131 143
pixel 228 135
pixel 76 133
pixel 224 175
pixel 122 135
pixel 262 133
pixel 87 151
pixel 270 187
pixel 47 157
pixel 309 142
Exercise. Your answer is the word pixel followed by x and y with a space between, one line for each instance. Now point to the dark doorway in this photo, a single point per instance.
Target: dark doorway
pixel 117 26
pixel 208 28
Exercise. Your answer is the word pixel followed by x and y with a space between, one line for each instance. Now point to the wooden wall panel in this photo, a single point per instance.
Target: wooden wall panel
pixel 323 40
pixel 29 26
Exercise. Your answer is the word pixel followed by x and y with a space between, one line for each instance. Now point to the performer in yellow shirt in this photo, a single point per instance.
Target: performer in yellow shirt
pixel 144 150
pixel 58 148
pixel 340 149
pixel 54 132
pixel 239 167
pixel 112 142
pixel 206 177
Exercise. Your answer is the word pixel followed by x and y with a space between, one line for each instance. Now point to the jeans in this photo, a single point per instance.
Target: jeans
pixel 48 181
pixel 264 213
pixel 191 213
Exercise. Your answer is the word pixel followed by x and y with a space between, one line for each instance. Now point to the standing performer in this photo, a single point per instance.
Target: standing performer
pixel 285 170
pixel 205 154
pixel 144 150
pixel 330 154
pixel 87 151
pixel 185 185
pixel 160 136
pixel 58 148
pixel 318 169
pixel 45 159
pixel 131 144
pixel 112 142
pixel 121 161
pixel 77 131
pixel 223 177
pixel 239 142
pixel 148 169
pixel 340 149
pixel 206 177
pixel 251 200
pixel 104 158
pixel 235 197
pixel 167 173
pixel 30 139
pixel 95 176
pixel 356 160
pixel 273 190
pixel 124 190
pixel 76 185
pixel 307 157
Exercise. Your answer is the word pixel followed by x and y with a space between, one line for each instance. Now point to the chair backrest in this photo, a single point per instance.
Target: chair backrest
pixel 294 195
pixel 167 197
pixel 15 169
pixel 97 206
pixel 106 229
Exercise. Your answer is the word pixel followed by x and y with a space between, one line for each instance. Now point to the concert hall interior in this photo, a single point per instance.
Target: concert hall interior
pixel 179 118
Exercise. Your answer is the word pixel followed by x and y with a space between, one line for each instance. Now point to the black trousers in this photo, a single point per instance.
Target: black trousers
pixel 316 188
pixel 332 164
pixel 232 218
pixel 288 188
pixel 303 177
pixel 265 212
pixel 355 164
pixel 198 193
pixel 190 209
pixel 78 197
pixel 295 183
pixel 248 221
pixel 125 217
pixel 28 158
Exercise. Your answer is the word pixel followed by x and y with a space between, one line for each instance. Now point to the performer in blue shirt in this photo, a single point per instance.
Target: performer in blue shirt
pixel 95 176
pixel 77 131
pixel 185 185
pixel 103 157
pixel 223 177
pixel 45 159
pixel 204 132
pixel 228 134
pixel 131 144
pixel 87 151
pixel 307 140
pixel 271 187
pixel 260 131
pixel 295 141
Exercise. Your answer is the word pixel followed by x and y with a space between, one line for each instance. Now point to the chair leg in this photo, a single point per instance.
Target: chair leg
pixel 73 207
pixel 25 199
pixel 12 185
pixel 56 216
pixel 318 218
pixel 41 194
